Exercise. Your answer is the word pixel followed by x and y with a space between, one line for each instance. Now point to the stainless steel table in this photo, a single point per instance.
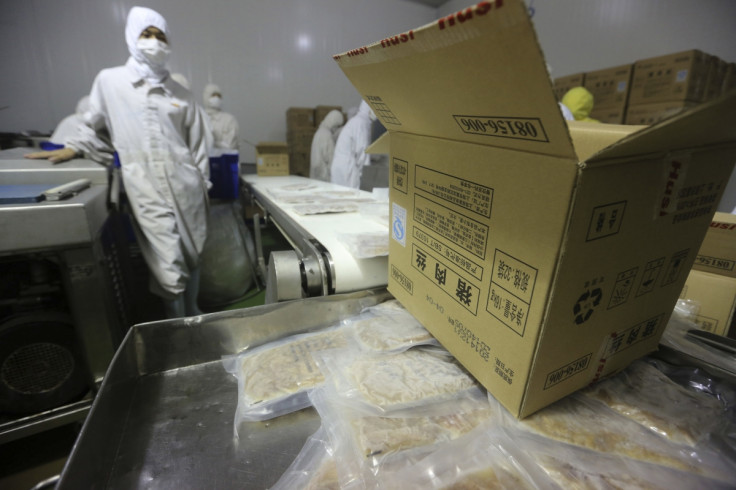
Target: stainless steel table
pixel 164 415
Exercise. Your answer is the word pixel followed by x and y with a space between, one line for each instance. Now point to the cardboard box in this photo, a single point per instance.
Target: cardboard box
pixel 717 253
pixel 272 158
pixel 300 138
pixel 322 110
pixel 543 256
pixel 563 84
pixel 610 87
pixel 610 115
pixel 678 76
pixel 299 163
pixel 297 117
pixel 715 296
pixel 716 78
pixel 729 81
pixel 653 113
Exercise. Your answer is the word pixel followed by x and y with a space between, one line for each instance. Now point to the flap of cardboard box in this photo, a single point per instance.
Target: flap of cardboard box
pixel 590 138
pixel 381 146
pixel 476 76
pixel 272 147
pixel 709 124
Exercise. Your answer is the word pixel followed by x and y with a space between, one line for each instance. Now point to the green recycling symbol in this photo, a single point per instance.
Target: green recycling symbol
pixel 587 302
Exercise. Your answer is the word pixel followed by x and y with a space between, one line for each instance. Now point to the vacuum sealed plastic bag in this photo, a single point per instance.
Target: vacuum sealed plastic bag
pixel 370 448
pixel 313 468
pixel 275 378
pixel 405 380
pixel 581 421
pixel 324 207
pixel 574 468
pixel 388 327
pixel 644 394
pixel 480 459
pixel 365 245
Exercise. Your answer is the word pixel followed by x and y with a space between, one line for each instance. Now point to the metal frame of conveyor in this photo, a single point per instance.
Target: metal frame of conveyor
pixel 309 259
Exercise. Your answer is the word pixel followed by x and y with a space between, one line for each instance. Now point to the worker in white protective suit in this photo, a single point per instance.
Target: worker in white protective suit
pixel 323 146
pixel 67 128
pixel 225 128
pixel 181 80
pixel 160 137
pixel 350 156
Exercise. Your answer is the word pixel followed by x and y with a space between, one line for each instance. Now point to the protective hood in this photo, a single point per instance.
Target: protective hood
pixel 332 120
pixel 366 111
pixel 580 102
pixel 139 18
pixel 83 105
pixel 210 89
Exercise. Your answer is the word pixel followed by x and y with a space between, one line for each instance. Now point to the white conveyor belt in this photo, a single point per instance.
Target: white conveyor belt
pixel 350 273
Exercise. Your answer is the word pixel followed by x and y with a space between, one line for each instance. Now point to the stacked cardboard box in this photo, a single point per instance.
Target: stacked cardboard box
pixel 300 129
pixel 653 89
pixel 712 282
pixel 272 159
pixel 543 255
pixel 610 89
pixel 666 85
pixel 563 84
pixel 301 124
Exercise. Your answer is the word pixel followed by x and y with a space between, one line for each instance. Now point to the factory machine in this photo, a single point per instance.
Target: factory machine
pixel 59 323
pixel 321 261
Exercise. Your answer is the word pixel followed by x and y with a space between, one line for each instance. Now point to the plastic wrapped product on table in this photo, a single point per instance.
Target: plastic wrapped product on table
pixel 646 395
pixel 275 378
pixel 388 328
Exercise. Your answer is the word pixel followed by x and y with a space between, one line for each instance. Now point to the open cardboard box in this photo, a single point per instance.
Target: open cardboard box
pixel 543 256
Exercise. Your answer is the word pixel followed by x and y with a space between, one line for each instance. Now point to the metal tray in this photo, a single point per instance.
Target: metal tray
pixel 164 415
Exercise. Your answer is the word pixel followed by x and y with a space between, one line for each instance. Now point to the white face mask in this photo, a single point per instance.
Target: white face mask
pixel 215 102
pixel 156 52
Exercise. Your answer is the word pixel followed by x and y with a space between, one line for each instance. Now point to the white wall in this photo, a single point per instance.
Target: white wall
pixel 586 35
pixel 266 56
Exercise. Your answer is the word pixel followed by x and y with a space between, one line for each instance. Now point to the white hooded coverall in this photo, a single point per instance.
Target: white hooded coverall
pixel 67 128
pixel 350 156
pixel 323 146
pixel 225 127
pixel 160 137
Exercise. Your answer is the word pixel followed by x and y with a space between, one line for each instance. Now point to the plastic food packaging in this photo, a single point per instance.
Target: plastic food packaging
pixel 324 207
pixel 646 395
pixel 385 382
pixel 574 468
pixel 580 421
pixel 369 449
pixel 275 378
pixel 388 329
pixel 313 468
pixel 365 245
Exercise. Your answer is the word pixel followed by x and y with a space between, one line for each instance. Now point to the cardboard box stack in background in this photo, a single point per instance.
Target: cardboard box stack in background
pixel 712 282
pixel 665 85
pixel 563 84
pixel 653 89
pixel 610 89
pixel 542 255
pixel 300 129
pixel 301 124
pixel 272 158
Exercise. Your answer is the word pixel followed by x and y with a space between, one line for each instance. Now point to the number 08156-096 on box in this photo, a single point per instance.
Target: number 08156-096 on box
pixel 503 127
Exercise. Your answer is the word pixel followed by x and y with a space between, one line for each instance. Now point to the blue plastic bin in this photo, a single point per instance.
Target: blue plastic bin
pixel 224 174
